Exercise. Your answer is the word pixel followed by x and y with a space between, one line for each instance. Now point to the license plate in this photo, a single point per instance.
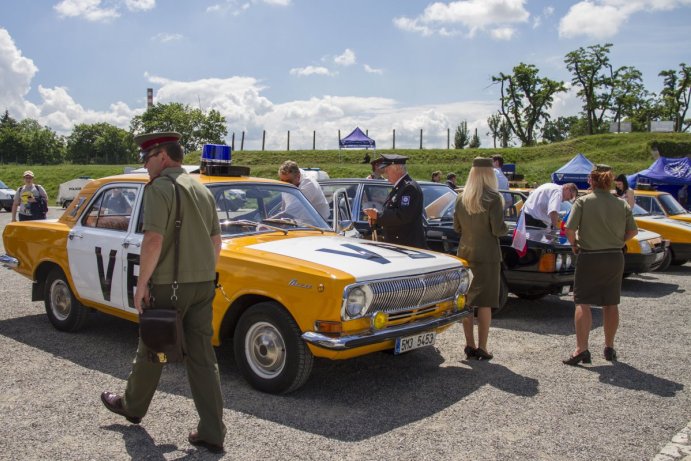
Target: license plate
pixel 566 289
pixel 408 343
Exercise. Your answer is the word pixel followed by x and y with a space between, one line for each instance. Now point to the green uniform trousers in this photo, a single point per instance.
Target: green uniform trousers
pixel 194 303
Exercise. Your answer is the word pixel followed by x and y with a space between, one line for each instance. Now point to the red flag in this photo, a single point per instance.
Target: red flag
pixel 520 237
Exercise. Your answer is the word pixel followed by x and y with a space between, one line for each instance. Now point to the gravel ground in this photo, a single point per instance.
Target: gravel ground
pixel 428 404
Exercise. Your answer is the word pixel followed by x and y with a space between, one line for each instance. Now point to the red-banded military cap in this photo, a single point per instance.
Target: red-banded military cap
pixel 150 140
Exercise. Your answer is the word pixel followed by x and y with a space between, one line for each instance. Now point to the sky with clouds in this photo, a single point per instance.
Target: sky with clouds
pixel 315 65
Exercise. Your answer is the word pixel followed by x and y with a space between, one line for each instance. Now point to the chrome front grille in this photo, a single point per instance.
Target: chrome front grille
pixel 408 293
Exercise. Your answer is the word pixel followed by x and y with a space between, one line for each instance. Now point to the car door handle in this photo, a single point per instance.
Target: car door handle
pixel 72 235
pixel 127 243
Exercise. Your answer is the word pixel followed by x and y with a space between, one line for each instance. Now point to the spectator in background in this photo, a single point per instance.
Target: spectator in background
pixel 599 225
pixel 542 206
pixel 683 196
pixel 367 158
pixel 451 180
pixel 290 172
pixel 479 221
pixel 502 180
pixel 30 201
pixel 621 188
pixel 376 170
pixel 436 176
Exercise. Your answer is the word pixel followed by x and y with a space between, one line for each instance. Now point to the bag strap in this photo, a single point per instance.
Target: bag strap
pixel 178 226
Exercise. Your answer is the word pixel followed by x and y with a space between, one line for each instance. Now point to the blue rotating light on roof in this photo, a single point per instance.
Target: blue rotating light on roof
pixel 216 161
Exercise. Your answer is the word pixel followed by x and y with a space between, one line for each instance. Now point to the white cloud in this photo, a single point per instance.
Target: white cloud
pixel 472 15
pixel 17 72
pixel 237 7
pixel 310 70
pixel 140 5
pixel 600 19
pixel 503 33
pixel 345 59
pixel 166 37
pixel 91 10
pixel 372 70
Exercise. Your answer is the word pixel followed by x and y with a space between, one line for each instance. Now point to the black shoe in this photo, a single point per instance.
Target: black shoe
pixel 113 402
pixel 194 439
pixel 470 353
pixel 482 354
pixel 610 354
pixel 576 359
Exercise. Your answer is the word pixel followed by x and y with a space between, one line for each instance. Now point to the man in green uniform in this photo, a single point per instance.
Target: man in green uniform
pixel 162 156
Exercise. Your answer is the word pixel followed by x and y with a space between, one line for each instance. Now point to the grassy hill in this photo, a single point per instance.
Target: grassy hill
pixel 626 153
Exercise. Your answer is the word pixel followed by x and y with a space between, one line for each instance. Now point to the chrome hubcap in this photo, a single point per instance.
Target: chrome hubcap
pixel 60 299
pixel 265 350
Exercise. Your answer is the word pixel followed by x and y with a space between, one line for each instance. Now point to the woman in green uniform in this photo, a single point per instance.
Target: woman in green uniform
pixel 479 221
pixel 598 227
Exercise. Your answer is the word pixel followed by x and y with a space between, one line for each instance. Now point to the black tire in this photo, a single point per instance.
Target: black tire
pixel 270 351
pixel 665 262
pixel 503 296
pixel 63 309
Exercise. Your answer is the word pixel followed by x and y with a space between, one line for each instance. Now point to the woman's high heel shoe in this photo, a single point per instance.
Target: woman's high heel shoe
pixel 481 354
pixel 610 354
pixel 576 359
pixel 470 353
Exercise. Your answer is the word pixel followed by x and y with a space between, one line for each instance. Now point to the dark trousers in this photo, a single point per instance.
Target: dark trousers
pixel 530 221
pixel 194 302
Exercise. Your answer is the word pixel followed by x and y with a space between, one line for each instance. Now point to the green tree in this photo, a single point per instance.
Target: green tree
pixel 100 143
pixel 494 123
pixel 196 127
pixel 27 142
pixel 675 96
pixel 474 141
pixel 596 80
pixel 526 99
pixel 629 96
pixel 461 137
pixel 558 130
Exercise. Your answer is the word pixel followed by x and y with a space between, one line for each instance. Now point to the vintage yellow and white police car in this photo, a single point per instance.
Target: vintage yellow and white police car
pixel 292 288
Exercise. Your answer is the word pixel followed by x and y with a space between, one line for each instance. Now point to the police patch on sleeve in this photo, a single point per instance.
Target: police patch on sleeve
pixel 405 200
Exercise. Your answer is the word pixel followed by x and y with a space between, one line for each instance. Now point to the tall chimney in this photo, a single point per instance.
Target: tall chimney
pixel 149 98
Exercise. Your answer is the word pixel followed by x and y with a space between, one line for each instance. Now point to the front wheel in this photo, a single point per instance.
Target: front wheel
pixel 63 309
pixel 270 351
pixel 664 265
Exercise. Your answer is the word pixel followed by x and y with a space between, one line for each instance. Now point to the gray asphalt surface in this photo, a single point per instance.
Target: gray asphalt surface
pixel 428 404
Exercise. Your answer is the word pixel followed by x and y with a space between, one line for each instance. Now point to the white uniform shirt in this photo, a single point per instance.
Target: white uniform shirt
pixel 544 200
pixel 503 184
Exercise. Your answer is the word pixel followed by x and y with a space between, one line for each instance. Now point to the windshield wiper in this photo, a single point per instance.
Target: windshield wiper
pixel 292 222
pixel 248 223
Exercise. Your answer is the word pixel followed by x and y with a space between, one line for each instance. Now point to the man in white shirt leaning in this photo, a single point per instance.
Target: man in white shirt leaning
pixel 290 172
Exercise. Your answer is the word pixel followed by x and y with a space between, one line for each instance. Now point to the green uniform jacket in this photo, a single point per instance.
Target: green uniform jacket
pixel 479 233
pixel 199 223
pixel 601 220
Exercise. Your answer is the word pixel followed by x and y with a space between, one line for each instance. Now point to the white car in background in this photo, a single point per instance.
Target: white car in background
pixel 6 196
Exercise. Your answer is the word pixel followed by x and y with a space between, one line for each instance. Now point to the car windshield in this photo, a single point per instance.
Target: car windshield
pixel 261 207
pixel 637 210
pixel 670 204
pixel 439 201
pixel 3 185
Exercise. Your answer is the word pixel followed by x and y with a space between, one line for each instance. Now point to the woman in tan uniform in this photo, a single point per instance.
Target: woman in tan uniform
pixel 479 221
pixel 598 227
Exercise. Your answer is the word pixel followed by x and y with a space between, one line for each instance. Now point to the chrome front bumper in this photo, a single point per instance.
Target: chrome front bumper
pixel 9 262
pixel 378 336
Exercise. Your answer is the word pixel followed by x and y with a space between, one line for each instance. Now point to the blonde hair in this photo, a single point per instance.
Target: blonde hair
pixel 479 179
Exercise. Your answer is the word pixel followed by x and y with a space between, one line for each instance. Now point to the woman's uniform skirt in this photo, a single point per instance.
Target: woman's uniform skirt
pixel 484 289
pixel 598 277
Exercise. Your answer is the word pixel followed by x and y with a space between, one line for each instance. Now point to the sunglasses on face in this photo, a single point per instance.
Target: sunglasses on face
pixel 145 156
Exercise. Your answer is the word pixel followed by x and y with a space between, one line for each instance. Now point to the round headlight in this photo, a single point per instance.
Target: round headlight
pixel 464 283
pixel 645 247
pixel 558 261
pixel 355 303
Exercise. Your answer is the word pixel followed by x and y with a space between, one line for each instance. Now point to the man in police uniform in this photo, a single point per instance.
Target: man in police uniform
pixel 200 231
pixel 401 218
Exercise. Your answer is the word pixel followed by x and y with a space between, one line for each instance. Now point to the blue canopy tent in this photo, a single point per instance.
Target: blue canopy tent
pixel 665 174
pixel 575 171
pixel 357 140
